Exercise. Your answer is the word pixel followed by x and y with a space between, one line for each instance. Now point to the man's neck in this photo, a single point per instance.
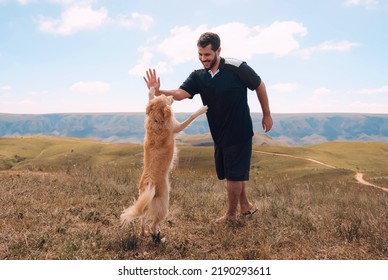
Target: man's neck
pixel 216 66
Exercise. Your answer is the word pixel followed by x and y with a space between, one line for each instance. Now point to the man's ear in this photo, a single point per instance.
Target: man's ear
pixel 218 51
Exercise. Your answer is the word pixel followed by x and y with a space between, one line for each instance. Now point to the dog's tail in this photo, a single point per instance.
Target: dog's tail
pixel 138 209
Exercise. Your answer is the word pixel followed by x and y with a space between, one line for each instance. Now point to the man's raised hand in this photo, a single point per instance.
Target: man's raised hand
pixel 152 80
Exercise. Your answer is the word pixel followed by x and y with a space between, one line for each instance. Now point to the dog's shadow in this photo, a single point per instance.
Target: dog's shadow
pixel 130 242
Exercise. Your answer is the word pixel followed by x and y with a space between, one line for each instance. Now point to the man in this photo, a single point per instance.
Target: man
pixel 222 85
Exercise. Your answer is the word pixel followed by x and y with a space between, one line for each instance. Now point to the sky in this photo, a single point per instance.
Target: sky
pixel 65 56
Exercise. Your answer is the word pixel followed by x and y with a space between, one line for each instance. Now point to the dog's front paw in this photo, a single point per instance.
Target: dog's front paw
pixel 151 93
pixel 201 111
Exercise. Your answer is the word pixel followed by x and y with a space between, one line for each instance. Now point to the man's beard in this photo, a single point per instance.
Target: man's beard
pixel 211 64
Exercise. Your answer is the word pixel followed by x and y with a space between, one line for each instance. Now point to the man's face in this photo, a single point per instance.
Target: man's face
pixel 207 56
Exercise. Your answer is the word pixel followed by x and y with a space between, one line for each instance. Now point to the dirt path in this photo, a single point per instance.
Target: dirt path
pixel 309 159
pixel 358 176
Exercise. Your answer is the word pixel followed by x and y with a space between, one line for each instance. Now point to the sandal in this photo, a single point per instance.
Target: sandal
pixel 250 213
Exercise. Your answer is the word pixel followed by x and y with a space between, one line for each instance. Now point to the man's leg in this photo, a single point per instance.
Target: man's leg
pixel 236 194
pixel 234 163
pixel 234 191
pixel 245 205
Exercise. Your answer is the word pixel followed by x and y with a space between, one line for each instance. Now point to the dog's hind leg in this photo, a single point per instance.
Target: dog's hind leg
pixel 160 208
pixel 155 227
pixel 142 226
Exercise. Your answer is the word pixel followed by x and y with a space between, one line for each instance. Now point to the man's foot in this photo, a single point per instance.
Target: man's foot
pixel 250 212
pixel 246 207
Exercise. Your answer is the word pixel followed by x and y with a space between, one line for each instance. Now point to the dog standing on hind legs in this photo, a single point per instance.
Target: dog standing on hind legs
pixel 159 158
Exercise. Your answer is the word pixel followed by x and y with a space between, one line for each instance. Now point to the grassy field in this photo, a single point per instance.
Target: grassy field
pixel 62 198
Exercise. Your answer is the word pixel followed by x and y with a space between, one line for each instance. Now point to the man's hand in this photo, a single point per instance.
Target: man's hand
pixel 267 123
pixel 200 111
pixel 152 81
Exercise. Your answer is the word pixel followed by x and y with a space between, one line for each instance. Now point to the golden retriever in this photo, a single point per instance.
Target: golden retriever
pixel 159 157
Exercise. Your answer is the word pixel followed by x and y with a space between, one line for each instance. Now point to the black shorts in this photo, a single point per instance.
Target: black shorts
pixel 233 163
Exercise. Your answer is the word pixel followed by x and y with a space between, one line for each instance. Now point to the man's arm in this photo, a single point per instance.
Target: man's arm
pixel 263 99
pixel 177 94
pixel 153 81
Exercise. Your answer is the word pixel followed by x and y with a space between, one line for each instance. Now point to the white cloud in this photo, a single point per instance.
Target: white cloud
pixel 80 15
pixel 24 2
pixel 180 46
pixel 285 87
pixel 237 40
pixel 135 20
pixel 341 46
pixel 322 91
pixel 328 46
pixel 68 2
pixel 73 19
pixel 383 89
pixel 144 63
pixel 368 4
pixel 240 40
pixel 91 87
pixel 38 93
pixel 280 38
pixel 323 95
pixel 6 87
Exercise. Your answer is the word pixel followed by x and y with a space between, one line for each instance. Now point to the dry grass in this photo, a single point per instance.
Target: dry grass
pixel 73 213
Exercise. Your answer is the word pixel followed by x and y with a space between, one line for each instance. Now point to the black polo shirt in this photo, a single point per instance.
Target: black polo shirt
pixel 225 94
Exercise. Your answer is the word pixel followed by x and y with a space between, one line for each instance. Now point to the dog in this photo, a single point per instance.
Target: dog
pixel 159 158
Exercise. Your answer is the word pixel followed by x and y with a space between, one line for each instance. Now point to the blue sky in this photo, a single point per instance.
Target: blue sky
pixel 59 56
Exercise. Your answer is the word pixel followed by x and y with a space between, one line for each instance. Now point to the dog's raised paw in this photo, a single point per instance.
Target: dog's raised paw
pixel 151 93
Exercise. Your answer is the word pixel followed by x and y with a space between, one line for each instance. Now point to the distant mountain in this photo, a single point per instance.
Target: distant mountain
pixel 110 127
pixel 300 129
pixel 292 129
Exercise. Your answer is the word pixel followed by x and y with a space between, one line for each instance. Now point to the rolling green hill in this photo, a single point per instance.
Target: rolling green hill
pixel 58 153
pixel 355 156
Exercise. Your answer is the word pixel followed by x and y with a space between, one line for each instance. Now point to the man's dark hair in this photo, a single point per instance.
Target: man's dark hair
pixel 209 38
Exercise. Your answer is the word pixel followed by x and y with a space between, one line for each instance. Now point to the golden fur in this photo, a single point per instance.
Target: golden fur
pixel 159 156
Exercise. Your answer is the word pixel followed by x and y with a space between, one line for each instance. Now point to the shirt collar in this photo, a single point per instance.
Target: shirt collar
pixel 222 63
pixel 211 73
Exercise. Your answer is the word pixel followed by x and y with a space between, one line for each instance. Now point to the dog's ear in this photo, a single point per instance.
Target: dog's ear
pixel 167 112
